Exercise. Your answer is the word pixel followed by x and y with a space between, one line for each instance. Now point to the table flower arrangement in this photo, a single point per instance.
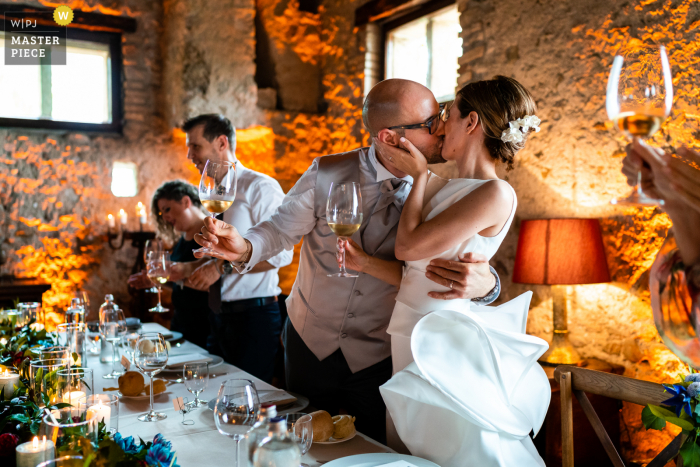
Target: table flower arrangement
pixel 683 410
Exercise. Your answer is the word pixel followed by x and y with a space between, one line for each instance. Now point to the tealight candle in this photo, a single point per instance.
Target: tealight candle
pixel 32 453
pixel 110 221
pixel 101 411
pixel 8 381
pixel 36 327
pixel 73 397
pixel 3 341
pixel 122 217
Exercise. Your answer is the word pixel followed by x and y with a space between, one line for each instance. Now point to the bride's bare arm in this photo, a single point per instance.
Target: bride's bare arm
pixel 357 260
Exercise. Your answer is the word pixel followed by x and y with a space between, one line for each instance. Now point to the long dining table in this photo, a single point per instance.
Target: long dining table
pixel 201 444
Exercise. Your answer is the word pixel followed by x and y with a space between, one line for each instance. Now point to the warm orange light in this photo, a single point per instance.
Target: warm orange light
pixel 35 443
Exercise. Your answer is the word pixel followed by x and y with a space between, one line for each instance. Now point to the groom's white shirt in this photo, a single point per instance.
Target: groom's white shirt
pixel 295 217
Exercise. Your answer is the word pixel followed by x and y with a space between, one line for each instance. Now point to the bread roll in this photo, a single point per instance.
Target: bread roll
pixel 344 426
pixel 322 423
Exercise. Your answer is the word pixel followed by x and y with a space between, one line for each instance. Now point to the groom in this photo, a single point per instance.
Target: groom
pixel 337 351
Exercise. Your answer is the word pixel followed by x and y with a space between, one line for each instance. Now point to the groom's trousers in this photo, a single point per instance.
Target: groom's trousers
pixel 330 385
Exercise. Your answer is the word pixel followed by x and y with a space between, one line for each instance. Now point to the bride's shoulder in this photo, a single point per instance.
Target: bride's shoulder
pixel 496 190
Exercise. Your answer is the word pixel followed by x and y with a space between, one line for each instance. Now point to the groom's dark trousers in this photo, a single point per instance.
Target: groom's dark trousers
pixel 330 385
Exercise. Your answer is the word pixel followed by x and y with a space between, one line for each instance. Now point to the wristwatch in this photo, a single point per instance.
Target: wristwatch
pixel 227 267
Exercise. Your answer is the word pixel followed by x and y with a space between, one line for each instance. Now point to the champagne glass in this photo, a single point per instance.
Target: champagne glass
pixel 153 248
pixel 196 376
pixel 159 273
pixel 112 328
pixel 150 357
pixel 236 409
pixel 301 430
pixel 344 214
pixel 638 100
pixel 217 190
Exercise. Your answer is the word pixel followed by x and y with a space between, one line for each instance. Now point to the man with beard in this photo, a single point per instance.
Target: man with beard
pixel 337 351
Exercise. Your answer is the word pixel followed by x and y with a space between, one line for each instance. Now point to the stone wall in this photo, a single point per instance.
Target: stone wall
pixel 562 52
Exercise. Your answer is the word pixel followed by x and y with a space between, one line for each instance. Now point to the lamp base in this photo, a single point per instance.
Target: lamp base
pixel 561 352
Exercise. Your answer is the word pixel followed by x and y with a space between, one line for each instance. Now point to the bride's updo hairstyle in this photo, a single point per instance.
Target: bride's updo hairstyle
pixel 497 101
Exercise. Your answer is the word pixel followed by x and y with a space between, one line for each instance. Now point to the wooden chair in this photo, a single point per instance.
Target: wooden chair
pixel 579 381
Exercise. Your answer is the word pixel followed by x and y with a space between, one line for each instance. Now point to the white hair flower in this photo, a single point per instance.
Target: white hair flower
pixel 517 129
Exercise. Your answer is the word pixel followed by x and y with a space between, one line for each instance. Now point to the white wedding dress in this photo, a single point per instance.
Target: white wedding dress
pixel 467 389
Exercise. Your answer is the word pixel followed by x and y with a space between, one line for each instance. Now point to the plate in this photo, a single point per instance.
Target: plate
pixel 215 361
pixel 173 336
pixel 332 440
pixel 376 459
pixel 300 404
pixel 140 396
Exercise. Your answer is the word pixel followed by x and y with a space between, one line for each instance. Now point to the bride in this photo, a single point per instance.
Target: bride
pixel 466 388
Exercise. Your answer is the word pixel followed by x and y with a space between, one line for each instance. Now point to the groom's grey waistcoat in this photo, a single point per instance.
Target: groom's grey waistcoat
pixel 339 312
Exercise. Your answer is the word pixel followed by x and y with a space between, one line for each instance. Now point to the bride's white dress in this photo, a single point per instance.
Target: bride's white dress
pixel 467 389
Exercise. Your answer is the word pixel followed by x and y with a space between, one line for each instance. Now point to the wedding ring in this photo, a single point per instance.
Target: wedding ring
pixel 452 283
pixel 391 159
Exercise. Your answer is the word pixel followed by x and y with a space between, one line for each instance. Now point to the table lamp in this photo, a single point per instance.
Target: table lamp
pixel 560 253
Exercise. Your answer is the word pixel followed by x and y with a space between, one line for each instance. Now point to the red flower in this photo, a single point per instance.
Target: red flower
pixel 8 443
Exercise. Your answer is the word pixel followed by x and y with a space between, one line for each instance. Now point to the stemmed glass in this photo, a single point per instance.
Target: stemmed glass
pixel 159 273
pixel 217 190
pixel 84 301
pixel 638 100
pixel 344 214
pixel 236 409
pixel 196 376
pixel 153 248
pixel 301 430
pixel 112 328
pixel 150 357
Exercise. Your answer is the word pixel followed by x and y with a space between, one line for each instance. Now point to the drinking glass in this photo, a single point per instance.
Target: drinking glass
pixel 84 301
pixel 34 309
pixel 344 214
pixel 43 379
pixel 74 385
pixel 105 408
pixel 150 357
pixel 72 336
pixel 112 328
pixel 64 461
pixel 236 410
pixel 153 249
pixel 217 190
pixel 196 376
pixel 158 269
pixel 638 100
pixel 301 430
pixel 93 337
pixel 57 352
pixel 129 344
pixel 65 427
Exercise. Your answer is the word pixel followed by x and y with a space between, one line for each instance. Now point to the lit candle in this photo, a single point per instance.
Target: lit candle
pixel 32 453
pixel 101 411
pixel 141 212
pixel 110 221
pixel 8 381
pixel 122 217
pixel 3 341
pixel 36 327
pixel 73 397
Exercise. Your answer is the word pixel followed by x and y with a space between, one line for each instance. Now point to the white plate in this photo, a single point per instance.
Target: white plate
pixel 300 404
pixel 215 361
pixel 336 441
pixel 376 459
pixel 173 336
pixel 140 396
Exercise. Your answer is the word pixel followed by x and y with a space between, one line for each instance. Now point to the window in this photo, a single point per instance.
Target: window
pixel 124 179
pixel 84 94
pixel 427 50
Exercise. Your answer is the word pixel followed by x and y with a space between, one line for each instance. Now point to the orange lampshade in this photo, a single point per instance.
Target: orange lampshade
pixel 560 251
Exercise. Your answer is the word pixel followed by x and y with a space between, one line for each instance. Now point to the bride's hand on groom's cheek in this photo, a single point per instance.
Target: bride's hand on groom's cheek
pixel 468 278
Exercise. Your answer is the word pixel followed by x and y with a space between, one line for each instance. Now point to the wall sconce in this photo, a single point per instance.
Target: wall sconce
pixel 117 234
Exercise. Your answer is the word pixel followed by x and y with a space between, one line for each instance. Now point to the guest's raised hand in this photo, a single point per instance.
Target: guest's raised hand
pixel 180 271
pixel 355 257
pixel 632 165
pixel 140 280
pixel 470 277
pixel 684 174
pixel 204 276
pixel 221 237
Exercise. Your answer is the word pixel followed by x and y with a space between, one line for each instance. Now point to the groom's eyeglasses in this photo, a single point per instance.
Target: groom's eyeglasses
pixel 432 124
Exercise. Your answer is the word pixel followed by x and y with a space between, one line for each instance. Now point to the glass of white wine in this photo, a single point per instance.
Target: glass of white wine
pixel 639 98
pixel 344 214
pixel 217 190
pixel 158 270
pixel 153 248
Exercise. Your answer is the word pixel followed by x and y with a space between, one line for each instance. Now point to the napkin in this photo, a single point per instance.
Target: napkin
pixel 398 464
pixel 278 397
pixel 180 360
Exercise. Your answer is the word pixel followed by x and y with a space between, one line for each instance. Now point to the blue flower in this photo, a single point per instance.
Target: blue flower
pixel 680 400
pixel 160 439
pixel 127 444
pixel 693 377
pixel 693 389
pixel 159 455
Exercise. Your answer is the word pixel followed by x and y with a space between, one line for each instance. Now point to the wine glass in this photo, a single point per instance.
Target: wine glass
pixel 236 409
pixel 301 430
pixel 112 328
pixel 129 344
pixel 344 214
pixel 153 248
pixel 159 273
pixel 150 357
pixel 638 100
pixel 84 301
pixel 217 190
pixel 196 376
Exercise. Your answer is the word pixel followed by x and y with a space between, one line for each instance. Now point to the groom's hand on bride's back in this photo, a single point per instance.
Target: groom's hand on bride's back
pixel 470 277
pixel 221 237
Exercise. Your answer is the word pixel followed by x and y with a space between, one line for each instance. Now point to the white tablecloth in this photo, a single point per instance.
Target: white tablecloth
pixel 201 444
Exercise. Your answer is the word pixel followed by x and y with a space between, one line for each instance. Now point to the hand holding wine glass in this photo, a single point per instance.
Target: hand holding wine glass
pixel 236 409
pixel 344 215
pixel 217 191
pixel 153 249
pixel 151 356
pixel 158 269
pixel 639 98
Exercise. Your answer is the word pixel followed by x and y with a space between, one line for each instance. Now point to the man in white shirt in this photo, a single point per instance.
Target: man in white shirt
pixel 246 322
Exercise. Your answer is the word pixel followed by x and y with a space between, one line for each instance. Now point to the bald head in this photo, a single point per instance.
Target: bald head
pixel 396 102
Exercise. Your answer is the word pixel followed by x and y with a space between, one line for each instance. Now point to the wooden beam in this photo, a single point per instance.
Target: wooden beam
pixel 599 428
pixel 669 452
pixel 81 19
pixel 374 8
pixel 614 386
pixel 567 420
